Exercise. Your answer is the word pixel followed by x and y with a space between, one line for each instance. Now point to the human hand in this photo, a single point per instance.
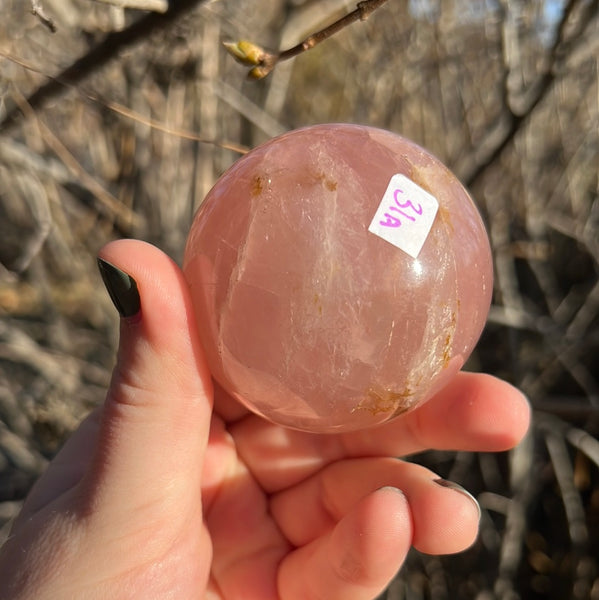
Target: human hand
pixel 158 495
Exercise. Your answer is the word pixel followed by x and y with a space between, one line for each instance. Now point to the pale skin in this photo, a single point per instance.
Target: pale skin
pixel 172 490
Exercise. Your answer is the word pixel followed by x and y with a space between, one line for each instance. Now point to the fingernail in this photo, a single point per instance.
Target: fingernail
pixel 121 287
pixel 390 488
pixel 452 485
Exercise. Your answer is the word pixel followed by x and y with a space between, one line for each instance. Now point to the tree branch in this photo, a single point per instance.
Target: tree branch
pixel 37 10
pixel 96 57
pixel 543 86
pixel 263 61
pixel 126 112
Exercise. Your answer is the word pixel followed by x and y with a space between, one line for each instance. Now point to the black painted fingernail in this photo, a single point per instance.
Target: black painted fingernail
pixel 452 485
pixel 121 287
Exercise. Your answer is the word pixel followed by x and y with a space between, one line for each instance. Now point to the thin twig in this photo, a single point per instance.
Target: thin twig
pixel 160 6
pixel 263 61
pixel 37 10
pixel 507 131
pixel 112 205
pixel 110 47
pixel 126 112
pixel 361 13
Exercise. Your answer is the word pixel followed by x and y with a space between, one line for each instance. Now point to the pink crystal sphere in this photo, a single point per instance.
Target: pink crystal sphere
pixel 310 319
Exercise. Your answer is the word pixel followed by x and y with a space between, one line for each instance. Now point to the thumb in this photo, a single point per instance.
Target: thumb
pixel 156 418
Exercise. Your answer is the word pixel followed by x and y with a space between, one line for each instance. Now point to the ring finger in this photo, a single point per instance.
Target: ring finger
pixel 445 517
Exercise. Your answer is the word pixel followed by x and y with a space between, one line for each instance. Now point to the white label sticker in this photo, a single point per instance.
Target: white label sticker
pixel 405 215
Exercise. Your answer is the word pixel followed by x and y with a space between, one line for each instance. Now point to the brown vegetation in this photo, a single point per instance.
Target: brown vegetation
pixel 119 122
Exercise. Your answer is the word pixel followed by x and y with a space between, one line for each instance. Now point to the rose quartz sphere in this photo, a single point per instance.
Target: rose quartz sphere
pixel 307 317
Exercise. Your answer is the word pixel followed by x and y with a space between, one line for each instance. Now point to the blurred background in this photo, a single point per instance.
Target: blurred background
pixel 117 123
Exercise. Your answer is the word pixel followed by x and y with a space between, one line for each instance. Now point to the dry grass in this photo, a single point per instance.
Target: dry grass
pixel 506 96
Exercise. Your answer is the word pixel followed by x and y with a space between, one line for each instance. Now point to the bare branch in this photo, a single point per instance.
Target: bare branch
pixel 131 114
pixel 111 205
pixel 37 10
pixel 160 6
pixel 539 90
pixel 111 46
pixel 263 61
